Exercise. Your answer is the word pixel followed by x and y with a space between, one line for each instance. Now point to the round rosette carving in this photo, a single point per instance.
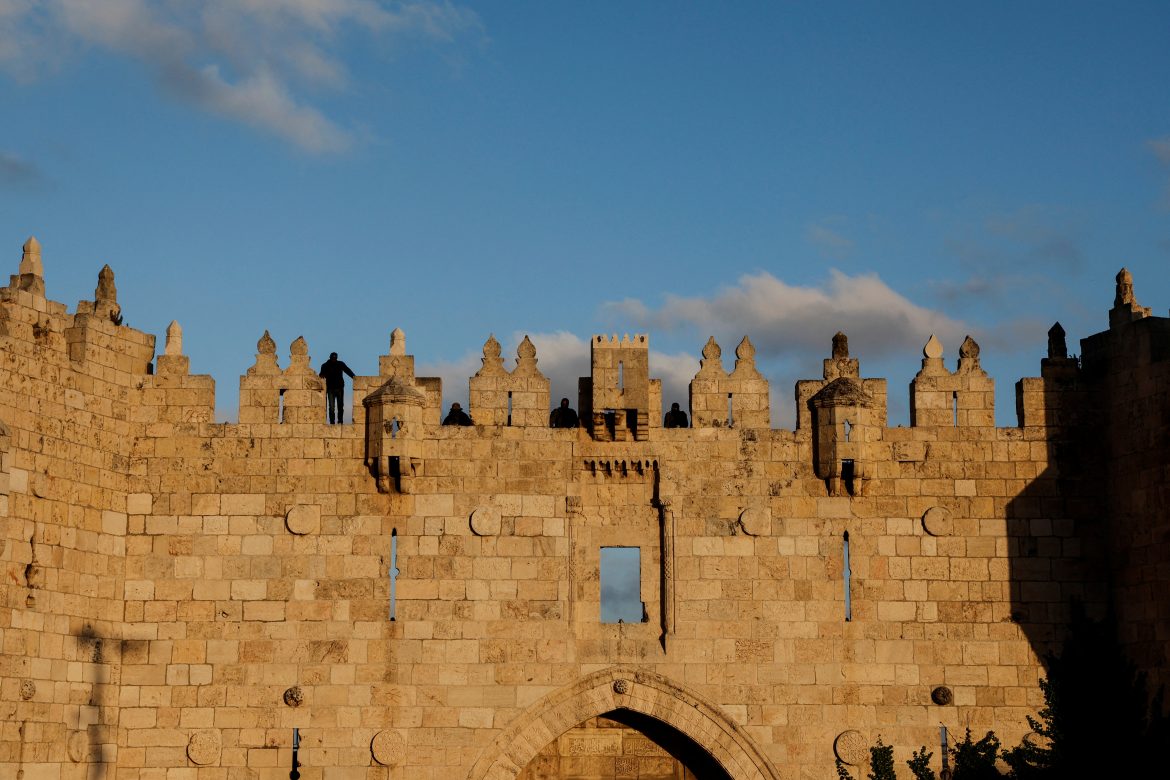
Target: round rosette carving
pixel 303 519
pixel 621 686
pixel 388 748
pixel 203 747
pixel 938 521
pixel 294 696
pixel 485 521
pixel 851 747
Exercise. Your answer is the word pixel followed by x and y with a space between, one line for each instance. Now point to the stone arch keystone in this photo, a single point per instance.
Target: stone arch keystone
pixel 618 688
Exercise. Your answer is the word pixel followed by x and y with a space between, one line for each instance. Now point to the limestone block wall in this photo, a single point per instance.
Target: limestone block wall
pixel 270 571
pixel 179 595
pixel 68 388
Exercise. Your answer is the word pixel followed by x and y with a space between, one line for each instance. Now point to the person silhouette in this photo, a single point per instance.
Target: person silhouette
pixel 675 418
pixel 333 371
pixel 563 416
pixel 457 416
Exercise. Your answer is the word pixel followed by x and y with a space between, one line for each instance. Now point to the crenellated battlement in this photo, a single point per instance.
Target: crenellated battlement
pixel 618 401
pixel 179 594
pixel 638 341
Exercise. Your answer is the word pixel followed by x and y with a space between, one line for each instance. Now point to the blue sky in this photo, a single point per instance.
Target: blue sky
pixel 339 168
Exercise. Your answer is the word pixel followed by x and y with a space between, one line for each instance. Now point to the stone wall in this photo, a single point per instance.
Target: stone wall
pixel 422 601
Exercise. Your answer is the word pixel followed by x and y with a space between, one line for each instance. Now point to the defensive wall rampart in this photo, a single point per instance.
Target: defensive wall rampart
pixel 422 601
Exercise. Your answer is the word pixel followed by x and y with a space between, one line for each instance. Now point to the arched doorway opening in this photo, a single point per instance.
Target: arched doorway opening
pixel 646 703
pixel 623 744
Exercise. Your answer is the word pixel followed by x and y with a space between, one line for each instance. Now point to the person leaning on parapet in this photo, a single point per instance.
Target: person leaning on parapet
pixel 457 416
pixel 563 416
pixel 675 418
pixel 333 371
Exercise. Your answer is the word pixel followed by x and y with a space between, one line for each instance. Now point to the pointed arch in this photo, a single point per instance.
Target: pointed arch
pixel 623 688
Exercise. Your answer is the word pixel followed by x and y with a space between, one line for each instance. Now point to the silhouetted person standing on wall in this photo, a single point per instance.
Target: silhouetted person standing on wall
pixel 563 416
pixel 675 418
pixel 333 371
pixel 457 416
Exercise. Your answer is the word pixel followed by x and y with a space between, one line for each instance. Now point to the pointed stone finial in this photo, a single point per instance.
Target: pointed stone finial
pixel 1057 346
pixel 969 349
pixel 30 278
pixel 711 365
pixel 492 362
pixel 397 342
pixel 526 350
pixel 1125 306
pixel 30 261
pixel 746 351
pixel 174 339
pixel 266 346
pixel 840 346
pixel 525 357
pixel 933 349
pixel 1124 295
pixel 491 347
pixel 745 361
pixel 106 292
pixel 299 347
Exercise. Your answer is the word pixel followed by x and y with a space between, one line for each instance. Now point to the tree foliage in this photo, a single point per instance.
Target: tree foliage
pixel 1098 719
pixel 975 760
pixel 920 764
pixel 881 761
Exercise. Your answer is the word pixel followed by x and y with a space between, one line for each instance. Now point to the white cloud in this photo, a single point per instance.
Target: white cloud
pixel 244 60
pixel 563 357
pixel 786 320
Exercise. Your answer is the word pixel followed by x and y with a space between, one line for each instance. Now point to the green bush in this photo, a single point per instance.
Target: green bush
pixel 920 764
pixel 881 761
pixel 976 760
pixel 1098 720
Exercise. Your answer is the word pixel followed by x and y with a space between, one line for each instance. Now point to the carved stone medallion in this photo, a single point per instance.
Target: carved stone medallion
pixel 851 747
pixel 77 746
pixel 303 519
pixel 28 689
pixel 485 521
pixel 756 521
pixel 294 696
pixel 938 521
pixel 203 747
pixel 621 686
pixel 388 748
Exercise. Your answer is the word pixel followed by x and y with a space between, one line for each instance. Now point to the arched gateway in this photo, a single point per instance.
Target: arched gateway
pixel 624 689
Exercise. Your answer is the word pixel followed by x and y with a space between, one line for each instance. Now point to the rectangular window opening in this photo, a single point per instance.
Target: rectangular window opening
pixel 280 408
pixel 393 571
pixel 848 574
pixel 621 585
pixel 848 472
pixel 730 413
pixel 621 375
pixel 509 407
pixel 955 408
